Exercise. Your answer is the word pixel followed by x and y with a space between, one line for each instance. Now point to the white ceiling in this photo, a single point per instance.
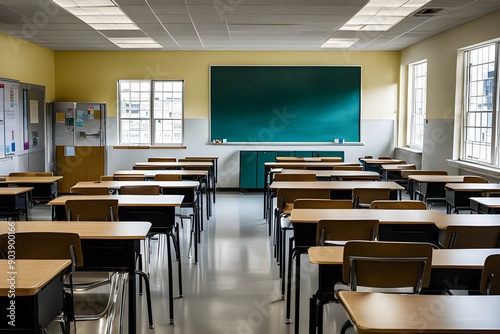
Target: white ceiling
pixel 231 24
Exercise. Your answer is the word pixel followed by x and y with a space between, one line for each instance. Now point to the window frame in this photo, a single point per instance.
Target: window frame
pixel 152 128
pixel 413 89
pixel 494 156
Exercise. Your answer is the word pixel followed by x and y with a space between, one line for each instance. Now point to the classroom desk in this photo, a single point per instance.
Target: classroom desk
pixel 334 175
pixel 39 294
pixel 214 160
pixel 485 204
pixel 457 194
pixel 431 185
pixel 374 164
pixel 44 187
pixel 106 246
pixel 372 312
pixel 187 174
pixel 15 199
pixel 392 172
pixel 451 269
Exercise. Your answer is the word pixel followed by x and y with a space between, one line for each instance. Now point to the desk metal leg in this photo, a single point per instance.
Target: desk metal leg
pixel 170 283
pixel 132 300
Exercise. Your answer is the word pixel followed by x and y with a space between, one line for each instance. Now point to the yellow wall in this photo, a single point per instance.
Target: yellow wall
pixel 28 63
pixel 92 75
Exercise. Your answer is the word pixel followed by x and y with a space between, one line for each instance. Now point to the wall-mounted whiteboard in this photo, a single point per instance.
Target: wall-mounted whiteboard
pixel 301 104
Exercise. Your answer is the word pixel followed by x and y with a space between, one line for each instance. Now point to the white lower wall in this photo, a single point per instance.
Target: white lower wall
pixel 377 136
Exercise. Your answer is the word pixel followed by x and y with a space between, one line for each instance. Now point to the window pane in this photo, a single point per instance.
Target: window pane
pixel 417 107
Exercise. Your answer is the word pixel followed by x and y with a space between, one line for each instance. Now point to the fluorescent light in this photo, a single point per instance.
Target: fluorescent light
pixel 382 15
pixel 134 43
pixel 339 42
pixel 103 15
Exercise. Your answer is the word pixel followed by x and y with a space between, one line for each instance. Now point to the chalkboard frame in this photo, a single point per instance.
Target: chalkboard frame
pixel 326 79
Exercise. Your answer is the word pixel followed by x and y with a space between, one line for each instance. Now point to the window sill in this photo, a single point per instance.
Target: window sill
pixel 409 149
pixel 146 147
pixel 475 168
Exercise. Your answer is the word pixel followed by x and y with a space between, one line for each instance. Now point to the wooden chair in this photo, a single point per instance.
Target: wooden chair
pixel 363 197
pixel 146 189
pixel 129 177
pixel 106 178
pixel 294 177
pixel 168 177
pixel 386 265
pixel 475 179
pixel 159 159
pixel 89 191
pixel 92 209
pixel 460 236
pixel 146 167
pixel 490 277
pixel 49 245
pixel 385 157
pixel 348 167
pixel 398 205
pixel 331 159
pixel 289 159
pixel 315 203
pixel 337 231
pixel 31 174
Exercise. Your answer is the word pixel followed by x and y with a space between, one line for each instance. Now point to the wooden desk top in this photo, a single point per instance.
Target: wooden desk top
pixel 153 172
pixel 14 190
pixel 30 275
pixel 334 173
pixel 437 178
pixel 405 173
pixel 397 313
pixel 31 179
pixel 324 164
pixel 489 202
pixel 126 200
pixel 126 230
pixel 441 258
pixel 398 167
pixel 178 164
pixel 382 161
pixel 119 184
pixel 204 158
pixel 472 186
pixel 335 185
pixel 441 220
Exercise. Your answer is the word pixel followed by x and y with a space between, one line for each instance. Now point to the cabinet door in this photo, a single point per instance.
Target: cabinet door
pixel 303 154
pixel 263 157
pixel 285 153
pixel 248 169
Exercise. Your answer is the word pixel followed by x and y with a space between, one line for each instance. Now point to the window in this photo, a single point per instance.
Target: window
pixel 480 105
pixel 417 103
pixel 150 112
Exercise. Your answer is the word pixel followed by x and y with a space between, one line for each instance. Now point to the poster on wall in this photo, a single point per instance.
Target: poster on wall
pixel 2 125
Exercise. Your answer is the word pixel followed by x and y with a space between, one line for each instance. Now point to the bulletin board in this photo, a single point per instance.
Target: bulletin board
pixel 9 117
pixel 301 104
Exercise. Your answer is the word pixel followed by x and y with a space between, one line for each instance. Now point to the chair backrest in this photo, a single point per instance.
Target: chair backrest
pixel 289 159
pixel 147 189
pixel 459 236
pixel 45 245
pixel 475 179
pixel 286 197
pixel 168 177
pixel 331 159
pixel 380 264
pixel 92 209
pixel 490 277
pixel 407 172
pixel 294 177
pixel 348 167
pixel 314 203
pixel 346 229
pixel 146 167
pixel 106 178
pixel 159 159
pixel 31 174
pixel 90 191
pixel 129 177
pixel 385 157
pixel 398 205
pixel 363 197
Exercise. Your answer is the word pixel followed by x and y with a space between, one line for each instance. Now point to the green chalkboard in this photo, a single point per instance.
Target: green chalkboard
pixel 285 103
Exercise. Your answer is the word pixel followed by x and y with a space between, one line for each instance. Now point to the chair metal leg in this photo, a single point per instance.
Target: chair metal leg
pixel 345 327
pixel 170 283
pixel 297 291
pixel 289 281
pixel 148 296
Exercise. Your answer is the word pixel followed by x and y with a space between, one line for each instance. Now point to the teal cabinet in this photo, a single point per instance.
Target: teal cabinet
pixel 248 169
pixel 252 166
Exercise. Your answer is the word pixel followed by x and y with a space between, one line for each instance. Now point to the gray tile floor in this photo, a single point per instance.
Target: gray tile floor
pixel 234 289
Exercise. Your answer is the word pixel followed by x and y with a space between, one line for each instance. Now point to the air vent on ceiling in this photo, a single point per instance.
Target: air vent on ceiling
pixel 427 11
